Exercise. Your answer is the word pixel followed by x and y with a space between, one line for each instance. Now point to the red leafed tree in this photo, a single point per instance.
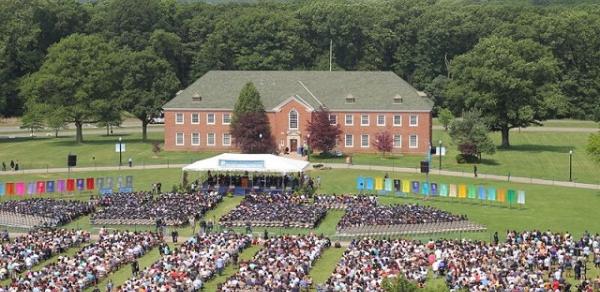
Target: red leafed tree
pixel 253 135
pixel 383 142
pixel 322 134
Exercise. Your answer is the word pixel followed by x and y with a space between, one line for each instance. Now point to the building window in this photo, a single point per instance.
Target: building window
pixel 397 120
pixel 210 119
pixel 293 119
pixel 332 119
pixel 364 141
pixel 349 120
pixel 414 141
pixel 397 141
pixel 226 118
pixel 179 118
pixel 210 139
pixel 349 140
pixel 195 139
pixel 179 139
pixel 380 120
pixel 414 120
pixel 195 118
pixel 226 139
pixel 364 120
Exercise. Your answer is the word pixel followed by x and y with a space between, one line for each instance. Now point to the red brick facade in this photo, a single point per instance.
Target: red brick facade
pixel 409 137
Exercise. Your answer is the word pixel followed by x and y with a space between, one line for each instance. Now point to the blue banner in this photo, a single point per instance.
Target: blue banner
pixel 369 183
pixel 387 183
pixel 415 187
pixel 434 189
pixel 424 188
pixel 360 183
pixel 482 193
pixel 1 189
pixel 243 164
pixel 50 186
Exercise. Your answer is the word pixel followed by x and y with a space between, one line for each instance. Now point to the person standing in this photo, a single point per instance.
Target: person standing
pixel 475 170
pixel 3 166
pixel 130 161
pixel 219 264
pixel 109 286
pixel 17 166
pixel 174 235
pixel 135 268
pixel 12 165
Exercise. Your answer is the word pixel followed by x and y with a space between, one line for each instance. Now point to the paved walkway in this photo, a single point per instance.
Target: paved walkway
pixel 516 179
pixel 545 129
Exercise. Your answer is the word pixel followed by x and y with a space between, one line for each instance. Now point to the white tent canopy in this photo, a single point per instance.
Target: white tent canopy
pixel 248 162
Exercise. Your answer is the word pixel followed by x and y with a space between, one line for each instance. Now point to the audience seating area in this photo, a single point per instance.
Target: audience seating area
pixel 29 213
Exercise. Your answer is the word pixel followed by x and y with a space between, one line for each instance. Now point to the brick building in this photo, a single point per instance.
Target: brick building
pixel 362 103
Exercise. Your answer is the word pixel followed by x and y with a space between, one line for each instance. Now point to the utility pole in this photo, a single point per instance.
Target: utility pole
pixel 330 53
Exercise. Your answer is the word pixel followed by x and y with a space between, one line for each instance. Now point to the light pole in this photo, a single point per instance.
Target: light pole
pixel 308 147
pixel 260 137
pixel 570 165
pixel 440 154
pixel 120 152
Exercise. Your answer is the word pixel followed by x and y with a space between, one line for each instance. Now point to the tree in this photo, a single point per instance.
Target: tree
pixel 323 135
pixel 107 115
pixel 33 119
pixel 56 122
pixel 445 117
pixel 513 83
pixel 79 73
pixel 384 142
pixel 250 125
pixel 148 83
pixel 471 135
pixel 593 147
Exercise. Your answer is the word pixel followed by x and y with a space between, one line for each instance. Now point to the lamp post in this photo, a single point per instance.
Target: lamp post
pixel 308 147
pixel 570 165
pixel 120 152
pixel 260 137
pixel 440 154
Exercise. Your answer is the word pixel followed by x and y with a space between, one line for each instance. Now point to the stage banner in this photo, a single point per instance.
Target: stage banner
pixel 397 185
pixel 501 195
pixel 129 181
pixel 405 186
pixel 462 191
pixel 425 188
pixel 20 188
pixel 443 190
pixel 10 189
pixel 80 184
pixel 415 187
pixel 434 189
pixel 472 192
pixel 40 187
pixel 452 191
pixel 512 196
pixel 521 197
pixel 70 185
pixel 379 183
pixel 369 183
pixel 360 183
pixel 387 184
pixel 481 192
pixel 89 183
pixel 31 188
pixel 1 189
pixel 50 186
pixel 61 186
pixel 491 192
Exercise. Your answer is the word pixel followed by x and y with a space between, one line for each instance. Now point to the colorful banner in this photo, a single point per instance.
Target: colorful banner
pixel 50 186
pixel 521 197
pixel 491 194
pixel 20 188
pixel 453 190
pixel 379 183
pixel 61 186
pixel 425 188
pixel 119 182
pixel 80 184
pixel 129 181
pixel 397 185
pixel 360 183
pixel 369 181
pixel 481 191
pixel 40 187
pixel 462 191
pixel 100 183
pixel 512 196
pixel 387 184
pixel 10 189
pixel 1 189
pixel 434 189
pixel 70 185
pixel 443 190
pixel 109 183
pixel 89 183
pixel 471 192
pixel 415 187
pixel 31 188
pixel 406 186
pixel 502 195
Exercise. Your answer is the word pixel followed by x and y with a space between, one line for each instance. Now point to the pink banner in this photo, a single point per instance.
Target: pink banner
pixel 20 188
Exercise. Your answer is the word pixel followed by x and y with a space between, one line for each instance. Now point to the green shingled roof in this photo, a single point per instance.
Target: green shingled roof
pixel 371 90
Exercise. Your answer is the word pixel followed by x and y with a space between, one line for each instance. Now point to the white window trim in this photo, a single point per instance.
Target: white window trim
pixel 290 120
pixel 214 119
pixel 192 118
pixel 416 141
pixel 226 144
pixel 223 119
pixel 208 140
pixel 335 119
pixel 182 119
pixel 346 120
pixel 192 139
pixel 410 121
pixel 346 141
pixel 394 141
pixel 378 124
pixel 394 121
pixel 368 120
pixel 368 141
pixel 182 139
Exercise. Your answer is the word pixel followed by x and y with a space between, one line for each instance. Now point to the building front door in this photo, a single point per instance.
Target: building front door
pixel 293 145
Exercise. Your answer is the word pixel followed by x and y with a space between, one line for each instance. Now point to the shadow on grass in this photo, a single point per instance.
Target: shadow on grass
pixel 536 148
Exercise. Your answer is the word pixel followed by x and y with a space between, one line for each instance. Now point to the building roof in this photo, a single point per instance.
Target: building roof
pixel 248 162
pixel 370 90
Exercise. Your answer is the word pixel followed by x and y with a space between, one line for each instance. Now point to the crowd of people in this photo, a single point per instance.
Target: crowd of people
pixel 57 212
pixel 89 265
pixel 527 261
pixel 282 264
pixel 144 208
pixel 345 201
pixel 279 210
pixel 190 265
pixel 250 180
pixel 25 251
pixel 369 215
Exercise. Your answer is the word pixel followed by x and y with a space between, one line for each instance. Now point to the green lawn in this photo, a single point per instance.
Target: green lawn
pixel 532 154
pixel 323 267
pixel 231 269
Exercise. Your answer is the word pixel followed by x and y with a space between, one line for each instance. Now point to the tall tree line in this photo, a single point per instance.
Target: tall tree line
pixel 417 39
